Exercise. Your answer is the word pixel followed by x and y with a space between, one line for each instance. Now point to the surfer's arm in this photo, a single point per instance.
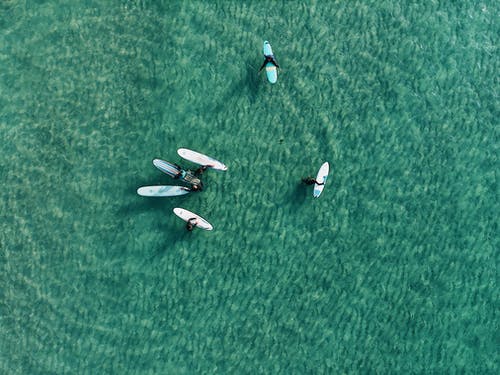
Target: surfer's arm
pixel 202 169
pixel 263 65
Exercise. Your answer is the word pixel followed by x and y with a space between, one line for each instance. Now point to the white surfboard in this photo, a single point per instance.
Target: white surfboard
pixel 321 178
pixel 201 159
pixel 162 191
pixel 186 215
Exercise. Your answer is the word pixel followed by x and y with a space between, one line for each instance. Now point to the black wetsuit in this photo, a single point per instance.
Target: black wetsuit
pixel 191 223
pixel 271 59
pixel 311 181
pixel 200 170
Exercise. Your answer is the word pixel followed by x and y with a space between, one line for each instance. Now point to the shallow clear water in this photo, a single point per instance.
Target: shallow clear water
pixel 391 270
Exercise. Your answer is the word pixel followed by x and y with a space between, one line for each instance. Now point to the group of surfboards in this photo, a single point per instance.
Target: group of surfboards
pixel 190 178
pixel 193 178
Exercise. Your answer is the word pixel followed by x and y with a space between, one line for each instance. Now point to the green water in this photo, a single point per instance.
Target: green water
pixel 391 270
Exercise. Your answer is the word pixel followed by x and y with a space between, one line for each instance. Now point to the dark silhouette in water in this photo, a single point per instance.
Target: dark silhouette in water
pixel 200 170
pixel 311 181
pixel 191 223
pixel 271 59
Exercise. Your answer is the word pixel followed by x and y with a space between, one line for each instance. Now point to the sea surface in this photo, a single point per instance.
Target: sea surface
pixel 393 270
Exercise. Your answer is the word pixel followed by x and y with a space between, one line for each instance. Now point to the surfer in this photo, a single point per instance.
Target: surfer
pixel 197 187
pixel 269 59
pixel 190 177
pixel 191 223
pixel 311 181
pixel 200 170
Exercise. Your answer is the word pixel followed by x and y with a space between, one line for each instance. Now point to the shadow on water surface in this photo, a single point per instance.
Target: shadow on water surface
pixel 249 82
pixel 177 234
pixel 299 194
pixel 143 204
pixel 246 87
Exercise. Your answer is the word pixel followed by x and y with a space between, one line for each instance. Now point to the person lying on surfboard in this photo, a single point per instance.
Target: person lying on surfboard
pixel 311 181
pixel 269 59
pixel 191 223
pixel 195 182
pixel 190 177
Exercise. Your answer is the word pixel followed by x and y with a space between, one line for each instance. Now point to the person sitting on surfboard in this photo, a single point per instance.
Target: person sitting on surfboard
pixel 311 181
pixel 191 223
pixel 269 59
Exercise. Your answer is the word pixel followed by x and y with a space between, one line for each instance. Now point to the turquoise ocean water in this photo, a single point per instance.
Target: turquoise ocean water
pixel 391 270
